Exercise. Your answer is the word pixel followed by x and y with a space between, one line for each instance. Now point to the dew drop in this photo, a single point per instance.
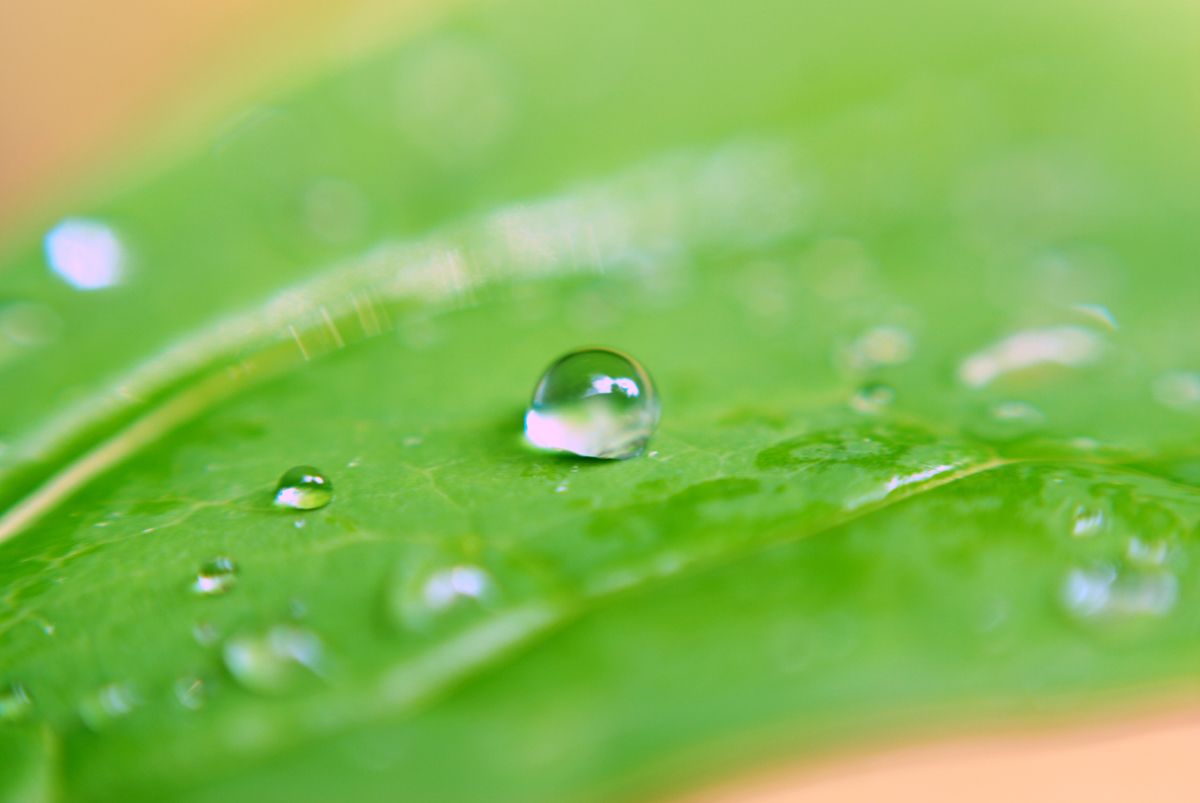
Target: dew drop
pixel 15 703
pixel 269 664
pixel 107 704
pixel 444 588
pixel 594 403
pixel 1088 522
pixel 1105 593
pixel 191 692
pixel 435 590
pixel 872 398
pixel 205 634
pixel 216 577
pixel 303 488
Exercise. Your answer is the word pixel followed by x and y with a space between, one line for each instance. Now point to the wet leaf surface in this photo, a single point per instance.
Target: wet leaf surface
pixel 917 302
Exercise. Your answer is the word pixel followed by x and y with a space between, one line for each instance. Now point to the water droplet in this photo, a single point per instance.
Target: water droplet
pixel 1104 592
pixel 15 703
pixel 413 440
pixel 1059 345
pixel 594 403
pixel 444 588
pixel 1088 522
pixel 269 663
pixel 1152 554
pixel 883 345
pixel 1179 390
pixel 86 253
pixel 191 692
pixel 30 325
pixel 432 587
pixel 303 488
pixel 872 398
pixel 205 634
pixel 216 577
pixel 108 703
pixel 1097 313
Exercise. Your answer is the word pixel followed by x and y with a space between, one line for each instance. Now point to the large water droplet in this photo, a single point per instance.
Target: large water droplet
pixel 216 577
pixel 15 703
pixel 594 403
pixel 270 664
pixel 303 488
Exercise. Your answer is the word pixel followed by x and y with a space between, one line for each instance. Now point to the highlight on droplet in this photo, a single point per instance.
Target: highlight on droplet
pixel 87 254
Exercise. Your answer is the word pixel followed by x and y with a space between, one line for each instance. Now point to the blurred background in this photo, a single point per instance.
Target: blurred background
pixel 100 96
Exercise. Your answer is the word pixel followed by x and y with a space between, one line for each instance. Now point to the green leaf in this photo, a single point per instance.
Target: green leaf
pixel 914 284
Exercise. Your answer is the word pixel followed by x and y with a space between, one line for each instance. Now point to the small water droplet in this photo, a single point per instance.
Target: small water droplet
pixel 205 634
pixel 1179 390
pixel 303 488
pixel 107 704
pixel 1103 592
pixel 30 325
pixel 1017 411
pixel 1097 313
pixel 300 524
pixel 872 398
pixel 268 664
pixel 1088 522
pixel 87 254
pixel 562 487
pixel 216 577
pixel 191 692
pixel 413 440
pixel 435 589
pixel 15 703
pixel 594 403
pixel 883 345
pixel 1153 554
pixel 444 588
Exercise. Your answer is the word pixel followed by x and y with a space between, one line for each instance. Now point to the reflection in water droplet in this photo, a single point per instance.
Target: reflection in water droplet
pixel 1097 313
pixel 883 345
pixel 1060 345
pixel 191 692
pixel 15 703
pixel 872 398
pixel 108 703
pixel 30 325
pixel 86 253
pixel 303 488
pixel 205 634
pixel 444 588
pixel 594 403
pixel 1104 592
pixel 1088 522
pixel 1153 554
pixel 268 664
pixel 1017 411
pixel 1179 390
pixel 216 577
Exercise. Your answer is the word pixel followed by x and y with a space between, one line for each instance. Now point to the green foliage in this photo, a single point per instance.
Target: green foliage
pixel 868 507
